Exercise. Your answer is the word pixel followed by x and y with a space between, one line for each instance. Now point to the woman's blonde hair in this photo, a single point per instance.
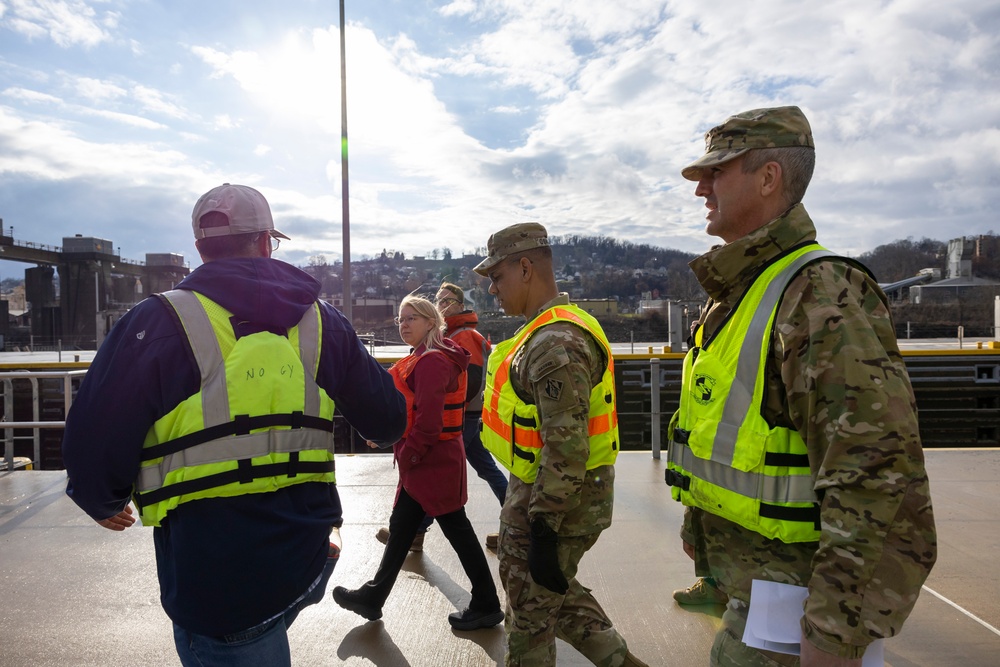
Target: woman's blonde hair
pixel 426 308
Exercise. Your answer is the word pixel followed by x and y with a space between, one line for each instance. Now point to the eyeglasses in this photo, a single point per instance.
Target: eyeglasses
pixel 409 319
pixel 275 242
pixel 445 301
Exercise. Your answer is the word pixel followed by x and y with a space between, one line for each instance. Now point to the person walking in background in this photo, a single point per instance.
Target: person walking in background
pixel 432 472
pixel 460 326
pixel 549 416
pixel 461 323
pixel 795 447
pixel 211 406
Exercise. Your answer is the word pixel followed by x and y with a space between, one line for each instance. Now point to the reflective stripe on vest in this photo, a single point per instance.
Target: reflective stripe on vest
pixel 259 423
pixel 728 461
pixel 510 429
pixel 453 416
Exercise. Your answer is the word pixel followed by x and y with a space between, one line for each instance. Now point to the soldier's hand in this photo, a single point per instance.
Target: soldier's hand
pixel 543 558
pixel 120 521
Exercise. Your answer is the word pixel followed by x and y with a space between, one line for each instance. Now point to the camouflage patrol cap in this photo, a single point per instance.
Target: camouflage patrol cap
pixel 510 241
pixel 780 127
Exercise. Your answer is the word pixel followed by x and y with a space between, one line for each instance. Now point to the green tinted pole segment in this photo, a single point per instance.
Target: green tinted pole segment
pixel 346 307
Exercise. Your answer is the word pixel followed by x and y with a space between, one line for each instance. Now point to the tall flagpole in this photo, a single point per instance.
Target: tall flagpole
pixel 347 307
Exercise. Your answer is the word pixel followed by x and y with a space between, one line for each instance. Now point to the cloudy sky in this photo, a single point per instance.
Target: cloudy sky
pixel 465 116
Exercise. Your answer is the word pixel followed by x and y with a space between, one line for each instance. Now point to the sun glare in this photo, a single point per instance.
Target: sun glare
pixel 299 78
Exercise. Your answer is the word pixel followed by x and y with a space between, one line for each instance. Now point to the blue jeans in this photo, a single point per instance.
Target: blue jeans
pixel 264 644
pixel 480 460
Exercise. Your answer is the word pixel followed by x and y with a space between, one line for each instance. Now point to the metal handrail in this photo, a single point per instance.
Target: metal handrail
pixel 8 424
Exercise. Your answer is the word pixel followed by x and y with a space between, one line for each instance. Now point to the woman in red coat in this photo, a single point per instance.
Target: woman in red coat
pixel 432 475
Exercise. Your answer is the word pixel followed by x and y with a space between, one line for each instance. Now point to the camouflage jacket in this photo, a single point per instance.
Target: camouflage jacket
pixel 572 499
pixel 835 374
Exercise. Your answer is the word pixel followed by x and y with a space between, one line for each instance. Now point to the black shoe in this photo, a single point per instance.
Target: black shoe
pixel 355 601
pixel 468 619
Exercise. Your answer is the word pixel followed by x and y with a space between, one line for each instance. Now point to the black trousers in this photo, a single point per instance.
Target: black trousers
pixel 403 524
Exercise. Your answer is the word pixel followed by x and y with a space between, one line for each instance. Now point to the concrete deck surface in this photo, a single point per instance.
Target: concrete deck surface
pixel 74 594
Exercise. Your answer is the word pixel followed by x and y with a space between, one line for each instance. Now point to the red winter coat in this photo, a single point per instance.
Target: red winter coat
pixel 433 471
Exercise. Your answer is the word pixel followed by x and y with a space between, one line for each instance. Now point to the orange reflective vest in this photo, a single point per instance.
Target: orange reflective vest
pixel 454 401
pixel 511 429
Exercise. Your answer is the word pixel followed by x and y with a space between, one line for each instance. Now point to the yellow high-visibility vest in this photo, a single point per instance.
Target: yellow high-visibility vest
pixel 510 429
pixel 259 423
pixel 723 457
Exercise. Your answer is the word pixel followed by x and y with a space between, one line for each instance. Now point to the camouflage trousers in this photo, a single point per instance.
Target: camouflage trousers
pixel 536 615
pixel 730 651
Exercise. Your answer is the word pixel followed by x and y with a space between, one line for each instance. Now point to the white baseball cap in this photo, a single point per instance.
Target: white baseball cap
pixel 245 210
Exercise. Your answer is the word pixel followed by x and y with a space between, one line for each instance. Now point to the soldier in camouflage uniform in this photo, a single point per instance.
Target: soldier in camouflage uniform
pixel 832 375
pixel 555 512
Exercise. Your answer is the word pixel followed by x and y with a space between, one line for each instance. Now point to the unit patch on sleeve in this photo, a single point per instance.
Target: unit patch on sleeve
pixel 553 388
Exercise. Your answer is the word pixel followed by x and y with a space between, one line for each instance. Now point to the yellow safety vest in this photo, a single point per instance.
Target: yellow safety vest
pixel 510 429
pixel 259 423
pixel 723 457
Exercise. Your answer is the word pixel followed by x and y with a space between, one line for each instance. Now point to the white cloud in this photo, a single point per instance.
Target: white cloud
pixel 507 109
pixel 124 118
pixel 66 22
pixel 28 146
pixel 34 96
pixel 157 102
pixel 37 97
pixel 97 90
pixel 458 8
pixel 224 122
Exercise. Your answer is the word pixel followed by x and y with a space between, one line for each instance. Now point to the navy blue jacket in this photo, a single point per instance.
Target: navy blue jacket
pixel 224 564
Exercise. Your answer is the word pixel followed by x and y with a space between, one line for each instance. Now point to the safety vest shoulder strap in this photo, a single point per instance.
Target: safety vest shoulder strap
pixel 565 314
pixel 207 353
pixel 741 395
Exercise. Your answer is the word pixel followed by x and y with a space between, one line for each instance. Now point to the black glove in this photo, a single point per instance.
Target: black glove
pixel 543 558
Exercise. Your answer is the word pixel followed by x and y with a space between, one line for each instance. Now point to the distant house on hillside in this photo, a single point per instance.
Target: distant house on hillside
pixel 598 307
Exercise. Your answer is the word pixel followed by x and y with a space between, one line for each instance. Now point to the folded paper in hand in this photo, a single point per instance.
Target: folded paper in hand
pixel 773 621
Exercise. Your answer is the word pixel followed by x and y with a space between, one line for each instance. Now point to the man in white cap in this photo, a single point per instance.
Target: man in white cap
pixel 211 408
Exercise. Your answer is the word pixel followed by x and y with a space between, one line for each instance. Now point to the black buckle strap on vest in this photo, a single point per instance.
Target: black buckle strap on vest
pixel 293 463
pixel 231 476
pixel 527 422
pixel 527 456
pixel 242 425
pixel 778 460
pixel 452 429
pixel 674 478
pixel 681 436
pixel 800 514
pixel 245 469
